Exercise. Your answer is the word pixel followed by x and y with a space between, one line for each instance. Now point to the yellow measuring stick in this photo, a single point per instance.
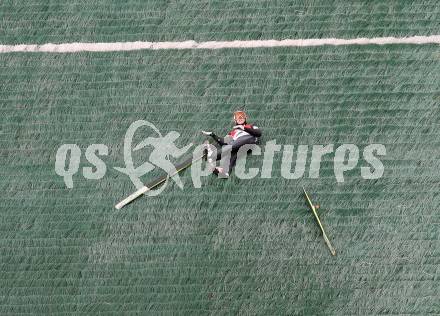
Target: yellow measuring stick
pixel 327 241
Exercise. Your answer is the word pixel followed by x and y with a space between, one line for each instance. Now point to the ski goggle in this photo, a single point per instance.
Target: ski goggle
pixel 239 115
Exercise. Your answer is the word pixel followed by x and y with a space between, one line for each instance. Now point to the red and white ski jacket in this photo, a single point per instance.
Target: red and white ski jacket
pixel 237 132
pixel 248 129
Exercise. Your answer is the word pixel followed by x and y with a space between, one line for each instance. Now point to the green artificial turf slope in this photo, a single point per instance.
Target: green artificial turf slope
pixel 235 246
pixel 41 21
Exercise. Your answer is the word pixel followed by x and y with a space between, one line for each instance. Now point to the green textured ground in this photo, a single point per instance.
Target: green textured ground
pixel 217 249
pixel 41 21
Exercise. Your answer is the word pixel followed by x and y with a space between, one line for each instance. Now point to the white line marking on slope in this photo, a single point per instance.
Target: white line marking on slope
pixel 129 46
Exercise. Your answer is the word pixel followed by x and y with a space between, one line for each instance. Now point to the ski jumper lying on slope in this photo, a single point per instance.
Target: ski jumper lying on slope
pixel 241 134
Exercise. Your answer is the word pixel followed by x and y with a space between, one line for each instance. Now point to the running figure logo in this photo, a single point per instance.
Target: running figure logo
pixel 163 149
